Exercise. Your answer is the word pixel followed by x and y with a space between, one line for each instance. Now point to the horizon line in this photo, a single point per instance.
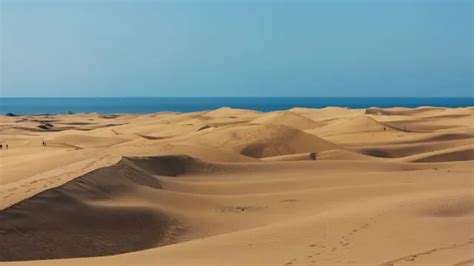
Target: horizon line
pixel 230 97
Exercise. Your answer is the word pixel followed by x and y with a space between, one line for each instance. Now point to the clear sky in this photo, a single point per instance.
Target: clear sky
pixel 71 48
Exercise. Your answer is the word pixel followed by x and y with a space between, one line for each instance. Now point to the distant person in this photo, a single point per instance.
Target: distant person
pixel 384 129
pixel 6 146
pixel 1 146
pixel 44 143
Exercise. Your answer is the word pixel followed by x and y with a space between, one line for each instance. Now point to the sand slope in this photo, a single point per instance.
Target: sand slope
pixel 88 216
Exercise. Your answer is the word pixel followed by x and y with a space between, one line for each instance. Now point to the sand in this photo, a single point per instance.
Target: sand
pixel 229 186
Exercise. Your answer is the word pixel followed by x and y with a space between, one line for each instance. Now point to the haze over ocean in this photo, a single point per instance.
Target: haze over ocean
pixel 150 104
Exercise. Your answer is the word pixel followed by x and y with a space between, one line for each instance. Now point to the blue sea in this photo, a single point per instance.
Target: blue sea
pixel 151 105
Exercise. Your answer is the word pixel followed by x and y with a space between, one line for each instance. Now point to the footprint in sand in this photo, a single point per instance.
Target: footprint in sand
pixel 290 262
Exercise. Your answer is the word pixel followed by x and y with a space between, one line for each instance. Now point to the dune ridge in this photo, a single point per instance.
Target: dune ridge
pixel 286 118
pixel 86 217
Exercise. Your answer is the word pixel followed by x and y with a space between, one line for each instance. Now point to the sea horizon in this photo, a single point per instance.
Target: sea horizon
pixel 142 105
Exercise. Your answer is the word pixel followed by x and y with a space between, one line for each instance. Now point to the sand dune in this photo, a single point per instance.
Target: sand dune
pixel 227 111
pixel 463 153
pixel 342 155
pixel 327 114
pixel 422 110
pixel 260 141
pixel 408 149
pixel 327 186
pixel 89 216
pixel 288 119
pixel 356 124
pixel 292 157
pixel 84 141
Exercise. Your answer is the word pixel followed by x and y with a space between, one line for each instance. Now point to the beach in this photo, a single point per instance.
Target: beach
pixel 303 186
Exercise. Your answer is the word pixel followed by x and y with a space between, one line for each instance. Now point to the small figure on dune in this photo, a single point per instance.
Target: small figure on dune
pixel 1 146
pixel 6 146
pixel 44 143
pixel 384 129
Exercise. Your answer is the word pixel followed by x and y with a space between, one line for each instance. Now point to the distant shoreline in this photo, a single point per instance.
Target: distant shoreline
pixel 139 105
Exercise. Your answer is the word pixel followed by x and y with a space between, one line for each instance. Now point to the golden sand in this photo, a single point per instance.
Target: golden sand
pixel 239 187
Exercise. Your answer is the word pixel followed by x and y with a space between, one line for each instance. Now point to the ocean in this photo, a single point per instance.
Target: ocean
pixel 151 104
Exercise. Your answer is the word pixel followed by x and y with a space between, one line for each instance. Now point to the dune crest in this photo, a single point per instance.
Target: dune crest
pixel 286 118
pixel 358 124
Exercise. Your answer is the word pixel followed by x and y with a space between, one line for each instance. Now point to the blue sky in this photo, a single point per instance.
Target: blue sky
pixel 236 48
